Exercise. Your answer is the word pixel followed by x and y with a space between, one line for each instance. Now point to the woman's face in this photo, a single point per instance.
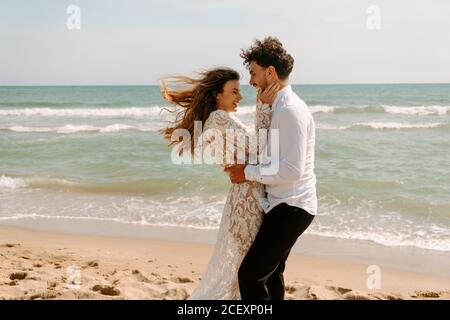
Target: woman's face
pixel 229 99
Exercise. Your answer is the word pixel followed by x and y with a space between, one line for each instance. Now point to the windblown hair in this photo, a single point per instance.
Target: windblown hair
pixel 197 97
pixel 269 52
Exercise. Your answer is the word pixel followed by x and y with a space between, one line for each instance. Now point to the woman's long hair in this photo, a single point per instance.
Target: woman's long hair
pixel 197 97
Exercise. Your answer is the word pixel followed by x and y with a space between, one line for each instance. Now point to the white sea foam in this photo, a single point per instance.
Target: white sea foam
pixel 322 109
pixel 204 212
pixel 70 128
pixel 195 213
pixel 429 242
pixel 34 182
pixel 153 111
pixel 396 125
pixel 84 112
pixel 104 112
pixel 329 126
pixel 11 183
pixel 155 126
pixel 406 110
pixel 422 110
pixel 381 125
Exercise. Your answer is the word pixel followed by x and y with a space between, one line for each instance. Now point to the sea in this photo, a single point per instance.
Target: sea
pixel 96 153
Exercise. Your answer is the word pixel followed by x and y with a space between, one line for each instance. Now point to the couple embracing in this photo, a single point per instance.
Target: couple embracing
pixel 266 210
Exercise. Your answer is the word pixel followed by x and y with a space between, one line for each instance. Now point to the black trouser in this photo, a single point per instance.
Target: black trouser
pixel 261 271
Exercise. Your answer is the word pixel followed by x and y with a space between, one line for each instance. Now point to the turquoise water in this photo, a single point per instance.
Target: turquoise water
pixel 382 155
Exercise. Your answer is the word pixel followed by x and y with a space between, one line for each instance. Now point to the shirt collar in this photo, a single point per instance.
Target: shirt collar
pixel 286 91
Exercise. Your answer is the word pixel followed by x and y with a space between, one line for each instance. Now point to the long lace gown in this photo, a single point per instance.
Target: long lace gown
pixel 241 218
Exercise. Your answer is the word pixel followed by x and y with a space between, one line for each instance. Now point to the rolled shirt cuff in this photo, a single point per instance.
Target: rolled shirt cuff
pixel 251 173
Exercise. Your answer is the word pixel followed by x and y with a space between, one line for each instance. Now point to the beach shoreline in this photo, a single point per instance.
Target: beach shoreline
pixel 404 258
pixel 38 264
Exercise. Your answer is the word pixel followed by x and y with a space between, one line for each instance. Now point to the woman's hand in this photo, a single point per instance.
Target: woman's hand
pixel 269 94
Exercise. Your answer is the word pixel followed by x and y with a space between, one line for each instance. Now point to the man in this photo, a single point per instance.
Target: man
pixel 291 202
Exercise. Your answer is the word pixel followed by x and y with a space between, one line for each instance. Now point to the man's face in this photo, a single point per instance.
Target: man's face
pixel 258 76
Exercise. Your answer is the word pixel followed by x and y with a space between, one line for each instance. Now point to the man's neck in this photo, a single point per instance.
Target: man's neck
pixel 283 83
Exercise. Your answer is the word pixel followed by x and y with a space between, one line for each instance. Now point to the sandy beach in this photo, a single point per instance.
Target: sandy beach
pixel 48 265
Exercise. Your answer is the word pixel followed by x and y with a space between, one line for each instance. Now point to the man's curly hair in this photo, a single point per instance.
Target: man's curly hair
pixel 269 52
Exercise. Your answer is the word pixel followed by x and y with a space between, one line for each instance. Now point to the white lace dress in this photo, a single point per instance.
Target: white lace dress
pixel 241 218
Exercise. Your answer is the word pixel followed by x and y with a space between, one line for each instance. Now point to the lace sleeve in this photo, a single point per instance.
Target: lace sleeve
pixel 263 116
pixel 237 143
pixel 262 124
pixel 233 142
pixel 223 121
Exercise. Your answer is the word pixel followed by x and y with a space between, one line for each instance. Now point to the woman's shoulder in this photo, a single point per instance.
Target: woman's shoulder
pixel 219 113
pixel 220 116
pixel 224 120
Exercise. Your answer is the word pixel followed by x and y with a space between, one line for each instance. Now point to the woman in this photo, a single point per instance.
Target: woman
pixel 211 99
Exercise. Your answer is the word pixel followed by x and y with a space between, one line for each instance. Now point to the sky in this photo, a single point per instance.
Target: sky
pixel 135 42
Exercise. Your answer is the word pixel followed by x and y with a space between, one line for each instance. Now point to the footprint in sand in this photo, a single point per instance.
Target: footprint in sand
pixel 106 290
pixel 176 294
pixel 290 289
pixel 93 263
pixel 139 276
pixel 44 295
pixel 386 296
pixel 426 294
pixel 18 275
pixel 338 290
pixel 357 295
pixel 183 280
pixel 11 245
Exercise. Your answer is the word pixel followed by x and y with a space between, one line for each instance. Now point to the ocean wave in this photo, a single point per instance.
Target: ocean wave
pixel 11 183
pixel 85 112
pixel 47 104
pixel 242 110
pixel 146 186
pixel 382 126
pixel 190 213
pixel 359 221
pixel 154 127
pixel 70 128
pixel 329 126
pixel 396 125
pixel 429 242
pixel 104 112
pixel 197 212
pixel 19 183
pixel 323 109
pixel 422 110
pixel 406 110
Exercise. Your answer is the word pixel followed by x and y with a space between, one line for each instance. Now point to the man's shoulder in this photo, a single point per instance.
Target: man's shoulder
pixel 294 106
pixel 292 100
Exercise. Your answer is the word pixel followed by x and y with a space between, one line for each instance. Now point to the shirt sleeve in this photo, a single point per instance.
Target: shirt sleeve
pixel 292 142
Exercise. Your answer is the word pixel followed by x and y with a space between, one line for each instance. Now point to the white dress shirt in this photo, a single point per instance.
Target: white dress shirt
pixel 294 182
